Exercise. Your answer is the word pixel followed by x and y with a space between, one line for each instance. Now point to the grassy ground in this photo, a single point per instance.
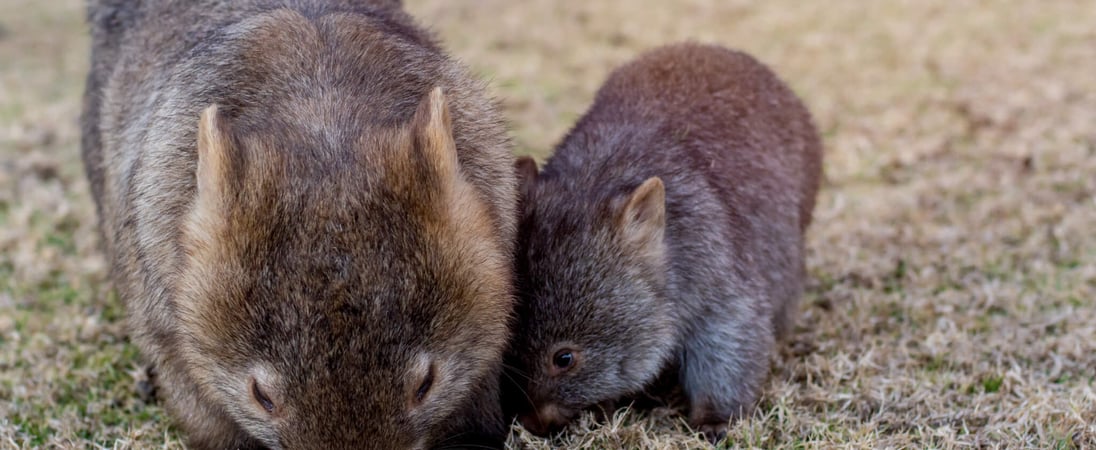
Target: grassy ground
pixel 953 257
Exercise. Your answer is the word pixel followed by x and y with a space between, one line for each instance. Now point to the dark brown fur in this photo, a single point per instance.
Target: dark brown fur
pixel 289 204
pixel 666 234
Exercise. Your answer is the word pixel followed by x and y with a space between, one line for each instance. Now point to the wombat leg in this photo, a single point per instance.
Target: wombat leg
pixel 714 433
pixel 725 362
pixel 603 411
pixel 146 388
pixel 788 310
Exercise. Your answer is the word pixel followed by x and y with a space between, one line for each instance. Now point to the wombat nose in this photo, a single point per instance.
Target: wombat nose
pixel 535 425
pixel 531 423
pixel 544 420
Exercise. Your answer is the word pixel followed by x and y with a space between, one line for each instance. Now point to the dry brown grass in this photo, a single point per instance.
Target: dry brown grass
pixel 953 260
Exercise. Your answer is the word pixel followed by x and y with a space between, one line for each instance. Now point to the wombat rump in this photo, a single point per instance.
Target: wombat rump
pixel 665 234
pixel 309 212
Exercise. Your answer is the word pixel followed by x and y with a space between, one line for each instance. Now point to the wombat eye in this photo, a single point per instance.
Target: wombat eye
pixel 563 359
pixel 427 382
pixel 261 397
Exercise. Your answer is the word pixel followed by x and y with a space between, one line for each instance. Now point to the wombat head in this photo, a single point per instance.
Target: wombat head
pixel 593 324
pixel 328 300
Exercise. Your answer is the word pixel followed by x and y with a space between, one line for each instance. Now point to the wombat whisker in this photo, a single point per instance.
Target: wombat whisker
pixel 518 385
pixel 448 442
pixel 453 437
pixel 516 370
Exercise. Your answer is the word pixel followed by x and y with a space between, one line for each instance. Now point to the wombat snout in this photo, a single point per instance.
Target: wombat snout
pixel 547 419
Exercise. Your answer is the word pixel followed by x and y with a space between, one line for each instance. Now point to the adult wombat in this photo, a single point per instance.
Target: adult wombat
pixel 309 212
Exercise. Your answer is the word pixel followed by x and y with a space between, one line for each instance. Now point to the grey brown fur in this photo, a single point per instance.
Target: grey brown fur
pixel 703 282
pixel 336 233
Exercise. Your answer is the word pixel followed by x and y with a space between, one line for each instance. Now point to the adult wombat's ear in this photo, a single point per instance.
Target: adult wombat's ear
pixel 214 145
pixel 526 168
pixel 433 132
pixel 642 218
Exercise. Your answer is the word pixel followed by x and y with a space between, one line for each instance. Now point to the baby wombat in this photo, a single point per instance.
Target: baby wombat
pixel 309 211
pixel 665 234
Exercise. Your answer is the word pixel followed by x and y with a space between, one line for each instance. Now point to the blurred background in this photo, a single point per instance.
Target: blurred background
pixel 952 257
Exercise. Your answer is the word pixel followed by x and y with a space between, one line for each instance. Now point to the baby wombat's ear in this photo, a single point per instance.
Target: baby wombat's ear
pixel 526 168
pixel 214 158
pixel 642 218
pixel 433 134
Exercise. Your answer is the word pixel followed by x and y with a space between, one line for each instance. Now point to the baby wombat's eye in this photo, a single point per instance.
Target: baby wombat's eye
pixel 563 360
pixel 261 397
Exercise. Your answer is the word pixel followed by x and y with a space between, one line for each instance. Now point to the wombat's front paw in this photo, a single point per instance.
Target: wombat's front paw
pixel 711 423
pixel 715 432
pixel 146 388
pixel 603 412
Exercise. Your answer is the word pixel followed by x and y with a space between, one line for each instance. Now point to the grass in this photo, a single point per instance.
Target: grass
pixel 952 258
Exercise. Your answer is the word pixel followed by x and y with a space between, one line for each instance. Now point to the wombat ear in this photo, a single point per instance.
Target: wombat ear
pixel 642 219
pixel 433 130
pixel 526 168
pixel 214 145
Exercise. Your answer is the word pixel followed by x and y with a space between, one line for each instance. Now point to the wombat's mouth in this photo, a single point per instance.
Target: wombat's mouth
pixel 547 419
